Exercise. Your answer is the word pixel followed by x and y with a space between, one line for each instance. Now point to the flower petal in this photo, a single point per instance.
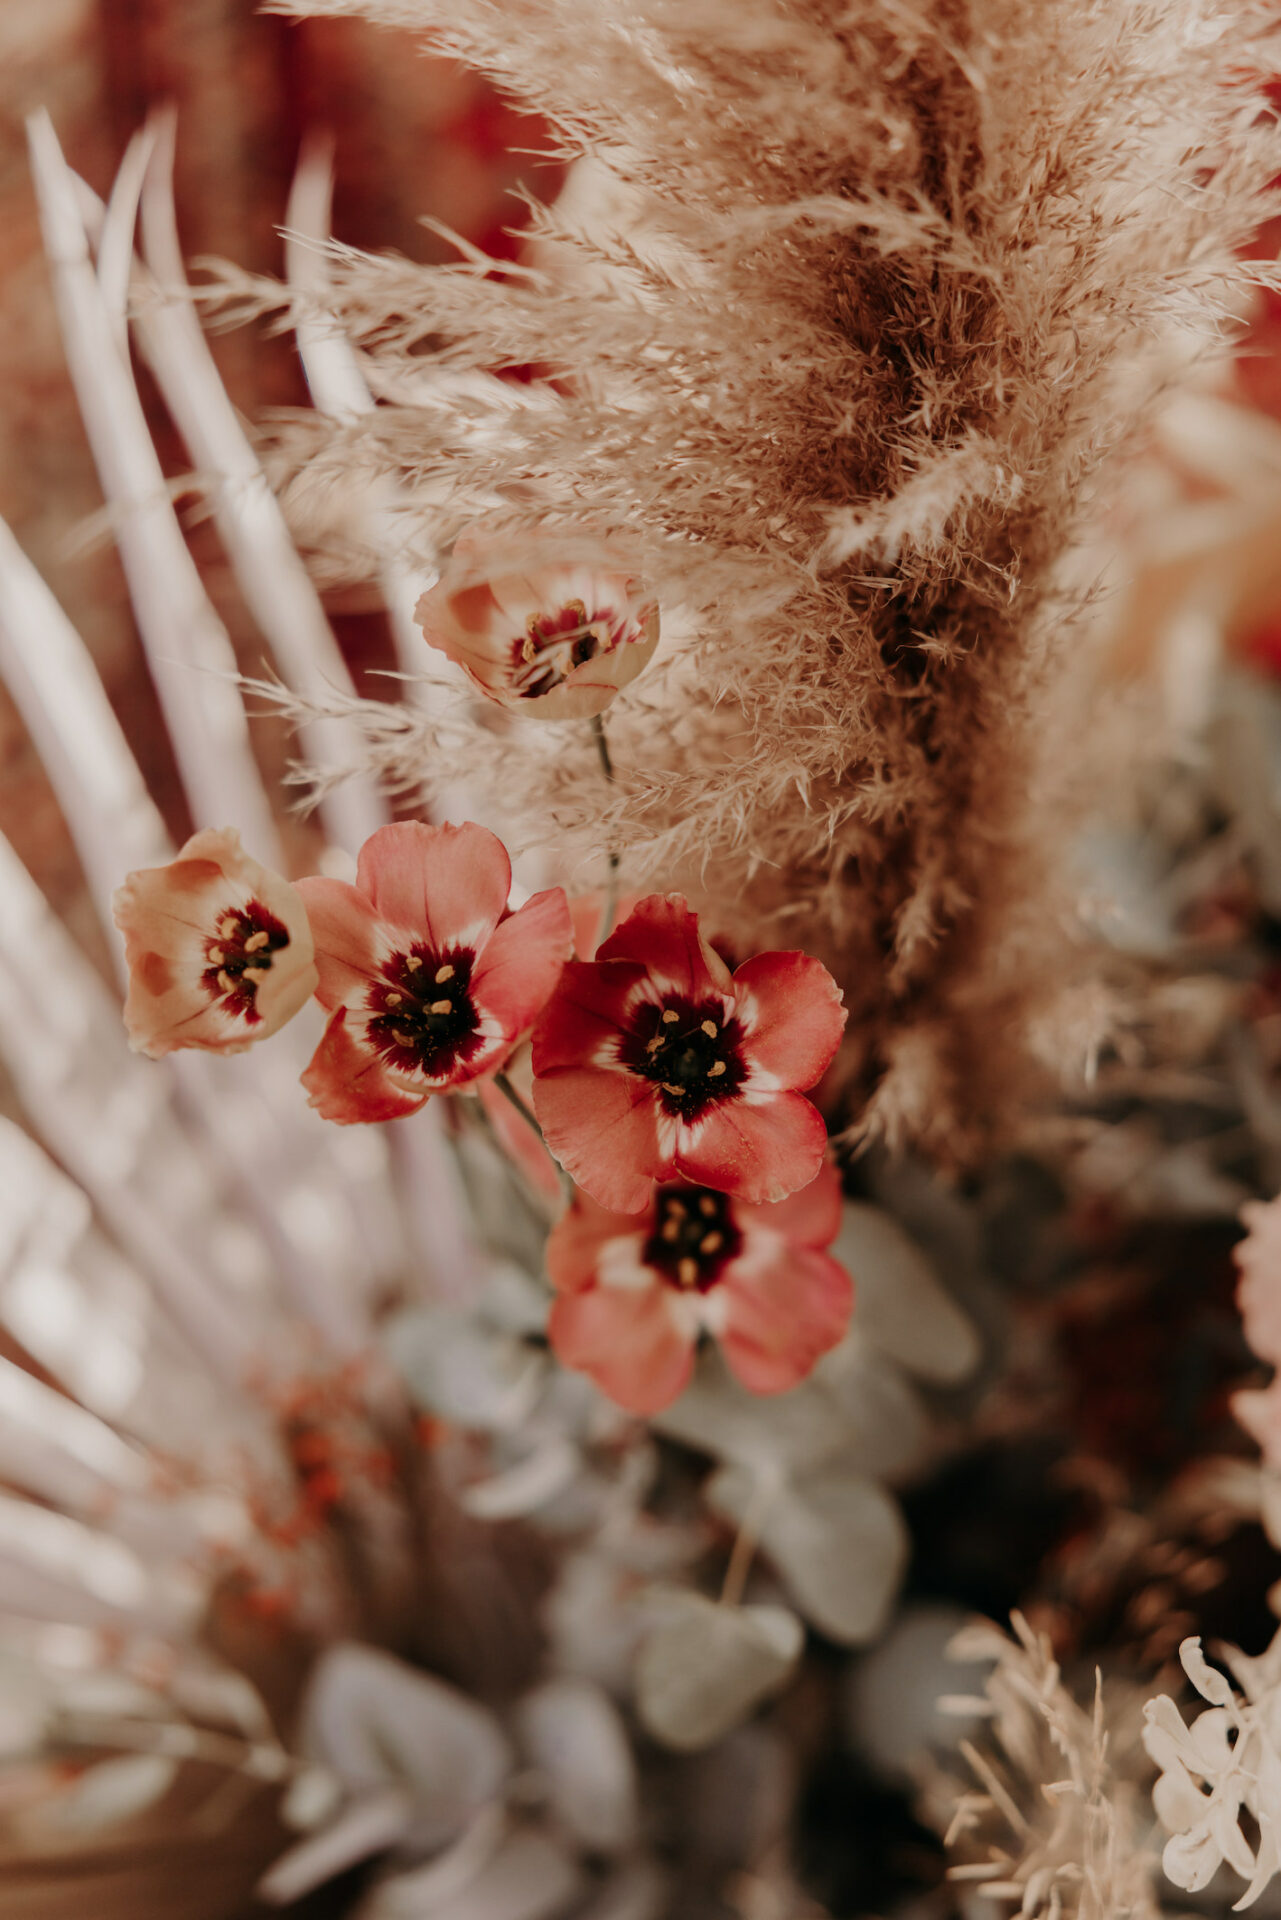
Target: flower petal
pixel 810 1217
pixel 794 1016
pixel 585 1014
pixel 784 1308
pixel 632 1344
pixel 518 967
pixel 349 944
pixel 575 1243
pixel 662 934
pixel 756 1150
pixel 168 916
pixel 603 1128
pixel 349 1083
pixel 446 885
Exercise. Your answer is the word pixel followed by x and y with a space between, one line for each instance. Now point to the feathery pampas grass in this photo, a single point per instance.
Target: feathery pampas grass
pixel 873 300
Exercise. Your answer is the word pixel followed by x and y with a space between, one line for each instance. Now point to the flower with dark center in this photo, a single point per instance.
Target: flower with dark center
pixel 551 623
pixel 635 1294
pixel 428 979
pixel 654 1062
pixel 219 949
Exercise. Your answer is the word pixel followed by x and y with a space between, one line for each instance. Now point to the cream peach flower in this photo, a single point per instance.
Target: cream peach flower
pixel 554 626
pixel 219 949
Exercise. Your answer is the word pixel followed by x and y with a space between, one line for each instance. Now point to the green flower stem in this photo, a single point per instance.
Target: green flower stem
pixel 611 885
pixel 530 1118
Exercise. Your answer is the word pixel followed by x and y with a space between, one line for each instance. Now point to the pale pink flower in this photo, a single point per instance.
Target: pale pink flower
pixel 535 625
pixel 219 949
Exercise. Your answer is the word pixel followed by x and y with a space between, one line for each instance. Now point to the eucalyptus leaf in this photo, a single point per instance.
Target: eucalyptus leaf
pixel 463 1370
pixel 703 1667
pixel 528 1878
pixel 379 1723
pixel 794 1429
pixel 108 1794
pixel 572 1732
pixel 899 1305
pixel 837 1539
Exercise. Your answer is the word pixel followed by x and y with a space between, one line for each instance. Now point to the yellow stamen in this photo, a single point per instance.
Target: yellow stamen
pixel 707 1205
pixel 667 1087
pixel 443 974
pixel 228 925
pixel 441 1006
pixel 677 1207
pixel 687 1272
pixel 711 1029
pixel 528 648
pixel 669 1015
pixel 402 1039
pixel 412 962
pixel 394 999
pixel 711 1243
pixel 217 956
pixel 717 1066
pixel 256 941
pixel 671 1230
pixel 226 982
pixel 255 974
pixel 655 1043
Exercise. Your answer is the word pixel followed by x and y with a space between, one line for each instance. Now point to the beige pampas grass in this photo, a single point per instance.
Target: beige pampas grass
pixel 851 349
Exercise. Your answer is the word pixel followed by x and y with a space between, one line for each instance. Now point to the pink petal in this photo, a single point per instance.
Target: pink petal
pixel 349 1083
pixel 447 886
pixel 794 1016
pixel 785 1308
pixel 756 1150
pixel 810 1217
pixel 519 965
pixel 630 1343
pixel 574 1244
pixel 349 942
pixel 662 935
pixel 168 916
pixel 585 1014
pixel 603 1128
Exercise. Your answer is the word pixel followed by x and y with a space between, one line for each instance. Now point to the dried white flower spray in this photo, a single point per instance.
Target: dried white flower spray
pixel 877 295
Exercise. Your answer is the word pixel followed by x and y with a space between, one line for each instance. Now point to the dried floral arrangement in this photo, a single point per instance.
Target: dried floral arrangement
pixel 535 1469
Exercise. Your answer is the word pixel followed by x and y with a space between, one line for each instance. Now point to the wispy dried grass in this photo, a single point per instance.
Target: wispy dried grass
pixel 1058 1823
pixel 873 296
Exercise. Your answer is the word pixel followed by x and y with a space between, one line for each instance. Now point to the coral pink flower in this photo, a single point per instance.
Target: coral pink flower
pixel 429 979
pixel 535 625
pixel 634 1294
pixel 654 1062
pixel 219 950
pixel 1258 1258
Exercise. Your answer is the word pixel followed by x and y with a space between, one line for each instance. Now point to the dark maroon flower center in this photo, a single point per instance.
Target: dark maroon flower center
pixel 240 954
pixel 694 1236
pixel 554 644
pixel 424 1018
pixel 691 1049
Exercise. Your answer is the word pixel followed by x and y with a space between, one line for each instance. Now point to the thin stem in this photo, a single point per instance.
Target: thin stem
pixel 611 884
pixel 746 1541
pixel 475 1111
pixel 530 1118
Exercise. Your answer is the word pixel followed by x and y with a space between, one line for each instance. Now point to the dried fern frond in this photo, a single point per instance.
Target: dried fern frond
pixel 866 302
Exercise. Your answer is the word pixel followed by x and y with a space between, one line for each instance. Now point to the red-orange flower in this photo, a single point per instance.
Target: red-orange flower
pixel 429 979
pixel 654 1062
pixel 554 627
pixel 634 1293
pixel 219 949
